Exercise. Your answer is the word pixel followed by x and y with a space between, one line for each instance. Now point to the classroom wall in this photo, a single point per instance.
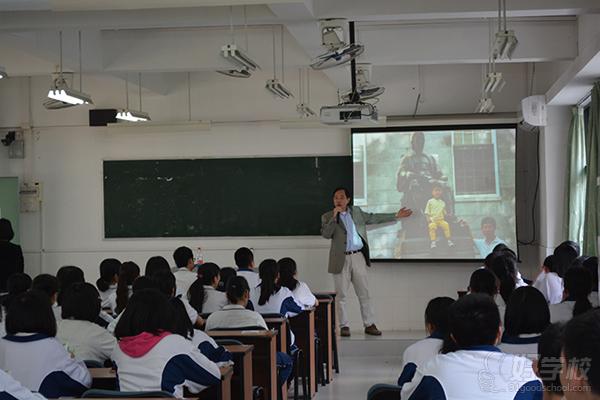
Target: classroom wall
pixel 66 156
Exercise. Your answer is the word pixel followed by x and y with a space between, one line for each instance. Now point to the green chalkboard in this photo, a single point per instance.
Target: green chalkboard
pixel 220 197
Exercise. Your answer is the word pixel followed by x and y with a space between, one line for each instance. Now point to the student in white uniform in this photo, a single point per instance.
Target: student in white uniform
pixel 185 275
pixel 578 286
pixel 504 250
pixel 419 353
pixel 150 357
pixel 527 316
pixel 128 273
pixel 475 369
pixel 143 282
pixel 288 275
pixel 68 275
pixel 77 330
pixel 485 281
pixel 203 294
pixel 49 284
pixel 165 282
pixel 244 259
pixel 10 389
pixel 549 282
pixel 33 356
pixel 547 366
pixel 269 297
pixel 109 277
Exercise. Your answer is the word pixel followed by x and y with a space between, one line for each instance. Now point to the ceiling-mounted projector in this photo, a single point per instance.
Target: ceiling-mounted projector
pixel 348 113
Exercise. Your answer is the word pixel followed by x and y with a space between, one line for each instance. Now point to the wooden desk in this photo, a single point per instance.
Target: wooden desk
pixel 336 359
pixel 323 327
pixel 280 325
pixel 103 378
pixel 264 365
pixel 220 392
pixel 303 326
pixel 241 387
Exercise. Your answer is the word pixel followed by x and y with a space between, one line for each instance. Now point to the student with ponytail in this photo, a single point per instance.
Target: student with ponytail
pixel 129 272
pixel 578 286
pixel 271 297
pixel 109 276
pixel 504 267
pixel 203 294
pixel 288 277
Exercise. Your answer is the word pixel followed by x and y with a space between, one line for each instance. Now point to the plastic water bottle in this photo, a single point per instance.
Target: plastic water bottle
pixel 199 257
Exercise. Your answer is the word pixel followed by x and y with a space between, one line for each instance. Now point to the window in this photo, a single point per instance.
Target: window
pixel 475 164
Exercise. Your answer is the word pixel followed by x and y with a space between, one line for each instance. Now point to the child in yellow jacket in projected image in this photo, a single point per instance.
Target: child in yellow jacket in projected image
pixel 435 210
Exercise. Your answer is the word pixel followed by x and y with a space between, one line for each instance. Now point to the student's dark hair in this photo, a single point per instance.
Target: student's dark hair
pixel 578 284
pixel 155 264
pixel 226 274
pixel 68 275
pixel 182 256
pixel 143 282
pixel 6 231
pixel 243 257
pixel 46 283
pixel 196 293
pixel 236 287
pixel 31 312
pixel 581 346
pixel 149 311
pixel 436 314
pixel 488 220
pixel 345 189
pixel 127 275
pixel 267 271
pixel 16 284
pixel 526 312
pixel 108 269
pixel 287 270
pixel 165 282
pixel 500 247
pixel 81 302
pixel 487 262
pixel 550 263
pixel 591 264
pixel 485 281
pixel 207 272
pixel 564 255
pixel 183 326
pixel 549 349
pixel 473 320
pixel 505 268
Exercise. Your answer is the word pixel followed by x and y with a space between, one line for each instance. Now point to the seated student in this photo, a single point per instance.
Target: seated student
pixel 109 277
pixel 269 297
pixel 578 286
pixel 287 277
pixel 235 314
pixel 49 284
pixel 16 284
pixel 155 264
pixel 32 354
pixel 244 259
pixel 226 274
pixel 200 340
pixel 546 366
pixel 185 274
pixel 77 330
pixel 67 276
pixel 591 264
pixel 203 294
pixel 165 282
pixel 436 325
pixel 485 281
pixel 143 282
pixel 503 249
pixel 11 389
pixel 526 317
pixel 475 369
pixel 580 357
pixel 128 273
pixel 548 282
pixel 150 357
pixel 564 255
pixel 504 267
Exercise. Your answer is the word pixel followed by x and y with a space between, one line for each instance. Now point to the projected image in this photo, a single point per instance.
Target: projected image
pixel 459 183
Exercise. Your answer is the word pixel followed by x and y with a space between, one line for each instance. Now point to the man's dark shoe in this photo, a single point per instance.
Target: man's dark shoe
pixel 372 330
pixel 345 331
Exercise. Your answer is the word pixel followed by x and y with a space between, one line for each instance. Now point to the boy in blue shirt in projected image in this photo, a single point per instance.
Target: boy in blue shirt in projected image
pixel 486 245
pixel 435 211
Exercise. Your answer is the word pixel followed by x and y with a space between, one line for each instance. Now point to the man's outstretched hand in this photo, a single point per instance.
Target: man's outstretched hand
pixel 404 212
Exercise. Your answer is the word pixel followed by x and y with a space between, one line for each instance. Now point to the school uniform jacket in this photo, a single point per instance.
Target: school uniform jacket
pixel 184 278
pixel 86 340
pixel 482 372
pixel 561 312
pixel 281 302
pixel 525 345
pixel 104 296
pixel 551 286
pixel 13 390
pixel 251 276
pixel 304 296
pixel 234 316
pixel 213 300
pixel 418 354
pixel 163 362
pixel 43 365
pixel 210 348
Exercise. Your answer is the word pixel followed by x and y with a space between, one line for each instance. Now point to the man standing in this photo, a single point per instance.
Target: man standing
pixel 349 254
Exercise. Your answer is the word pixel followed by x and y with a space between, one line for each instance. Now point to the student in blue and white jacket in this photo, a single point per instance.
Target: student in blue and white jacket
pixel 419 353
pixel 150 357
pixel 472 367
pixel 269 297
pixel 526 317
pixel 288 274
pixel 31 354
pixel 11 389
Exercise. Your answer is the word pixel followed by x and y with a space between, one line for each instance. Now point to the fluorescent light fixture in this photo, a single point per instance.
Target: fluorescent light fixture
pixel 505 44
pixel 133 116
pixel 232 53
pixel 305 111
pixel 235 73
pixel 51 104
pixel 60 91
pixel 3 73
pixel 485 105
pixel 278 89
pixel 494 82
